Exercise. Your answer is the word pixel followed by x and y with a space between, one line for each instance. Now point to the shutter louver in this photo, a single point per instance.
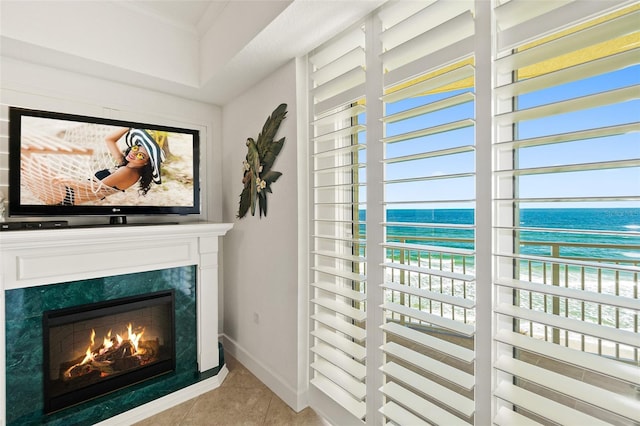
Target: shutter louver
pixel 338 288
pixel 429 162
pixel 567 147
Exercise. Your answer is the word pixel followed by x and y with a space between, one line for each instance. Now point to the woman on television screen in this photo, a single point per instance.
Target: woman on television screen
pixel 140 162
pixel 100 165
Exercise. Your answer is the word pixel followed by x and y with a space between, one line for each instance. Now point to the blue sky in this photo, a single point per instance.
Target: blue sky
pixel 614 182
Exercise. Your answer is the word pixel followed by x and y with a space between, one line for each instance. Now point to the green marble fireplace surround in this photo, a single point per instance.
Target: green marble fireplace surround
pixel 44 270
pixel 24 308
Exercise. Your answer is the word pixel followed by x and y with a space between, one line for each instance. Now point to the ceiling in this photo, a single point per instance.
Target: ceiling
pixel 213 49
pixel 195 14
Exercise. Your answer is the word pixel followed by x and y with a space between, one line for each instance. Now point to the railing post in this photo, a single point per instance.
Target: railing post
pixel 555 280
pixel 402 279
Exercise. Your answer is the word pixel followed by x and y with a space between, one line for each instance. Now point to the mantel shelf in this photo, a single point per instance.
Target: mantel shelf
pixel 96 234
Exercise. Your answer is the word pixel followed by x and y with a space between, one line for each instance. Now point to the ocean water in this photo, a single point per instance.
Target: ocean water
pixel 621 228
pixel 617 241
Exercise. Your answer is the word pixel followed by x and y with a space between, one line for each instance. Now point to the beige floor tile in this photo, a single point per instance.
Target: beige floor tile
pixel 242 406
pixel 241 400
pixel 280 414
pixel 171 417
pixel 240 377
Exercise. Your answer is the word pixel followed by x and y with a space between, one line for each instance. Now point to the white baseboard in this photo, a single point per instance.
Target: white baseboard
pixel 161 404
pixel 294 399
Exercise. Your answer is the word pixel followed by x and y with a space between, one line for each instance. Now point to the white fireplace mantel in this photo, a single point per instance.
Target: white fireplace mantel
pixel 48 256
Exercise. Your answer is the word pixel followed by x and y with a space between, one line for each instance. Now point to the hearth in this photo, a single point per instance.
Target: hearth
pixel 93 349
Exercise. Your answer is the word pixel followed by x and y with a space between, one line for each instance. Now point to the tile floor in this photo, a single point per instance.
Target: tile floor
pixel 242 399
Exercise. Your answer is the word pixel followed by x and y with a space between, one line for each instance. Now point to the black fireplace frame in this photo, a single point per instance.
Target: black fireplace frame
pixel 91 311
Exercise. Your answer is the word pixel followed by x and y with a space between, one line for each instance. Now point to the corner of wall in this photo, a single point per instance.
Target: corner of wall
pixel 264 284
pixel 294 398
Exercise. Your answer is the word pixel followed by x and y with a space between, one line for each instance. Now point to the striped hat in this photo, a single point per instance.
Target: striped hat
pixel 145 140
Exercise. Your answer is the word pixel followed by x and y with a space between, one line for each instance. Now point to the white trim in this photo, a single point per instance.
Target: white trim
pixel 484 409
pixel 302 160
pixel 375 216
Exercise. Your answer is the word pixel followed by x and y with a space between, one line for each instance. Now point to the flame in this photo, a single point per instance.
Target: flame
pixel 109 342
pixel 106 344
pixel 134 338
pixel 89 354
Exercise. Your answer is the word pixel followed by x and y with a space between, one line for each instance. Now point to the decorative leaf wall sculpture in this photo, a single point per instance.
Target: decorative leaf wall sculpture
pixel 258 175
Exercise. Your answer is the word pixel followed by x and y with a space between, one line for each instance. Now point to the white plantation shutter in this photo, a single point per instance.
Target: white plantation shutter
pixel 567 324
pixel 429 283
pixel 338 288
pixel 438 297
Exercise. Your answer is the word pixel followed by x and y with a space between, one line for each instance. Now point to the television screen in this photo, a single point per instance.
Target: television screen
pixel 63 164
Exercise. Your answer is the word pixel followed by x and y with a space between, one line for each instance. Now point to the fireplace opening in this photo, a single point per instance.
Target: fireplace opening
pixel 94 349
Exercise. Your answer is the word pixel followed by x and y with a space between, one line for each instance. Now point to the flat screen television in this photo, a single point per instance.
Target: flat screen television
pixel 70 165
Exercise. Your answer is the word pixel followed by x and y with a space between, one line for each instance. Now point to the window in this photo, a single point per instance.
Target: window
pixel 429 187
pixel 568 192
pixel 338 300
pixel 476 249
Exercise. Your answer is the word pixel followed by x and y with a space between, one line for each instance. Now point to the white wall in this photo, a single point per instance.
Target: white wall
pixel 108 33
pixel 35 86
pixel 261 286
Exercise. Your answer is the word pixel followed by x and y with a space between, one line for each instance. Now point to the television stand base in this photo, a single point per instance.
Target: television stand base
pixel 118 220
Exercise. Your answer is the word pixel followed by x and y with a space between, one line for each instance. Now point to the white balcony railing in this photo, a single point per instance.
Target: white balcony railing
pixel 592 290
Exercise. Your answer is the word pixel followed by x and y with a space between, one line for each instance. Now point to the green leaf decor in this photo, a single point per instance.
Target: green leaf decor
pixel 257 173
